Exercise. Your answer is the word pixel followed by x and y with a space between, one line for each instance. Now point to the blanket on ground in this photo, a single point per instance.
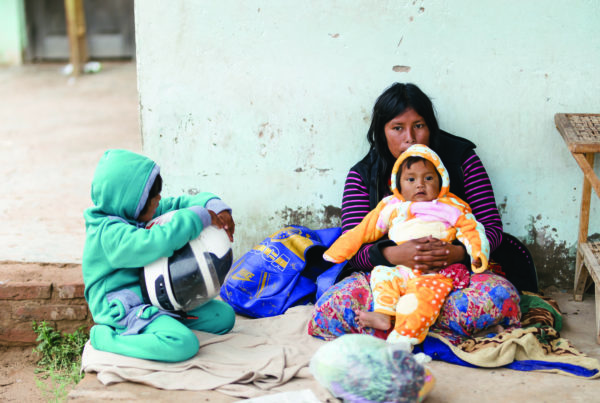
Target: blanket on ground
pixel 256 358
pixel 271 355
pixel 536 346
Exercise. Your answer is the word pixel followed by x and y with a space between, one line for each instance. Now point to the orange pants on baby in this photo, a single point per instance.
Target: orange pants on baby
pixel 414 299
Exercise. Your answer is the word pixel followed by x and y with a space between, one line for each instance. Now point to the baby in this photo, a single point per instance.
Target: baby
pixel 421 205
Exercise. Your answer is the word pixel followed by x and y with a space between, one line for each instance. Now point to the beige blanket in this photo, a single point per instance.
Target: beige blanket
pixel 257 357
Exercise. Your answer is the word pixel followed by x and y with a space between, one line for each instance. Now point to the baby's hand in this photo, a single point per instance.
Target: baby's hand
pixel 477 263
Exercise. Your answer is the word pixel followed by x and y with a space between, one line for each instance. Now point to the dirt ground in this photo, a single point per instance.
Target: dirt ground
pixel 54 129
pixel 17 377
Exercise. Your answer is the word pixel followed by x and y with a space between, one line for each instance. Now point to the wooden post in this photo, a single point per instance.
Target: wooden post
pixel 581 273
pixel 77 35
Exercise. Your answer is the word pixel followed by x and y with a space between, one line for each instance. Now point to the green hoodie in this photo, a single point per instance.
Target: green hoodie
pixel 116 245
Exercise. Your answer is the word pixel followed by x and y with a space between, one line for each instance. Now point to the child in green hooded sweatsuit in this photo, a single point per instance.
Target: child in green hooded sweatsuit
pixel 126 193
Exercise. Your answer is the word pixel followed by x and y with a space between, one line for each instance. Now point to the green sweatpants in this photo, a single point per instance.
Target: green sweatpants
pixel 166 338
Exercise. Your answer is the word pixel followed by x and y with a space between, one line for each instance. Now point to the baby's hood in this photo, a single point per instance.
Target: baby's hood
pixel 122 182
pixel 420 150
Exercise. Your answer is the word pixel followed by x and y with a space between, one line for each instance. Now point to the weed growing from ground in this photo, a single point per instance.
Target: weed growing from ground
pixel 60 359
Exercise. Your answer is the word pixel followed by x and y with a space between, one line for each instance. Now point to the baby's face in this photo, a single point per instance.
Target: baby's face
pixel 420 182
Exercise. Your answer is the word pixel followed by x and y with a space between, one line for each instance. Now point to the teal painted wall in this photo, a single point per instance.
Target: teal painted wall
pixel 13 37
pixel 268 103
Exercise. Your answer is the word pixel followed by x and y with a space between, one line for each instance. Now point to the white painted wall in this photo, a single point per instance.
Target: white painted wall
pixel 13 37
pixel 267 103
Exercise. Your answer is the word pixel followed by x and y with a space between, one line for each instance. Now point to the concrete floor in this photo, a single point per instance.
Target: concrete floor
pixel 53 131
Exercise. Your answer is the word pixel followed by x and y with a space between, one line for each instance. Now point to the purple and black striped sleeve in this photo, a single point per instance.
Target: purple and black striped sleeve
pixel 355 206
pixel 480 196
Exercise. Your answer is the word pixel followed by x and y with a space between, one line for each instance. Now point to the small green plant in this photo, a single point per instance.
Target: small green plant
pixel 60 358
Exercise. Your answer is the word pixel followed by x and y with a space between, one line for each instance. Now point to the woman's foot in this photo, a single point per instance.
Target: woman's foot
pixel 373 320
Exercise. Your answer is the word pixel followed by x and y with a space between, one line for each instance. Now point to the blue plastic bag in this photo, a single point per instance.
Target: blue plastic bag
pixel 284 270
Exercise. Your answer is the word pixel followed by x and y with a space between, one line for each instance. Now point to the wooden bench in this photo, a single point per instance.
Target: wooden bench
pixel 581 133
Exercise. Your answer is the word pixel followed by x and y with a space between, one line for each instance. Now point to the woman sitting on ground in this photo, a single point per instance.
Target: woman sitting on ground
pixel 402 116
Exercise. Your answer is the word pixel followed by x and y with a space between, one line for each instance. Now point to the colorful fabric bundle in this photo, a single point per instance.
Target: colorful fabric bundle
pixel 537 346
pixel 539 311
pixel 362 368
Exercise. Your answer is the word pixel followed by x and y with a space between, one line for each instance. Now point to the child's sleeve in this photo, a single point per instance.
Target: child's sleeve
pixel 128 246
pixel 370 229
pixel 204 199
pixel 471 233
pixel 198 203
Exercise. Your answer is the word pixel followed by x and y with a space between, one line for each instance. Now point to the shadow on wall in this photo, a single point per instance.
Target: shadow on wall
pixel 554 261
pixel 327 217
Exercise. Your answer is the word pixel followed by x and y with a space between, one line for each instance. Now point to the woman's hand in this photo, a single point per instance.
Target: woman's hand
pixel 426 254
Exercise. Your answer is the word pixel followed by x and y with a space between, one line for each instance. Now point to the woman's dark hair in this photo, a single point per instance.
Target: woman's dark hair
pixel 154 191
pixel 392 102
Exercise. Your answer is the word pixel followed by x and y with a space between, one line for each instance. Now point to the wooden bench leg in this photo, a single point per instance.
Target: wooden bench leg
pixel 581 277
pixel 598 313
pixel 581 271
pixel 590 256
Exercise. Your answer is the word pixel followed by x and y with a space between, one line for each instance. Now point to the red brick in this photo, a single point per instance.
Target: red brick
pixel 5 310
pixel 70 291
pixel 50 312
pixel 21 291
pixel 18 333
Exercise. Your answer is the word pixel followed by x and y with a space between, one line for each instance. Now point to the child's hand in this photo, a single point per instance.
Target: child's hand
pixel 215 220
pixel 223 220
pixel 229 224
pixel 477 263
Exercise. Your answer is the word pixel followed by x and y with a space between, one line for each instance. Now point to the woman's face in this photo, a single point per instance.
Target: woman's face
pixel 404 130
